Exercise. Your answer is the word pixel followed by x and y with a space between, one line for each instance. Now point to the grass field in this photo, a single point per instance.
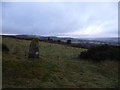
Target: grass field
pixel 58 67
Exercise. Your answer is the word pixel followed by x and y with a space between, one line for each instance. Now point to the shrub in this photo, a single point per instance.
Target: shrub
pixel 5 48
pixel 59 41
pixel 98 53
pixel 68 41
pixel 48 38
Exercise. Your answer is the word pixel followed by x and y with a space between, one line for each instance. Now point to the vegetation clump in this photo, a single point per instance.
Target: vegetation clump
pixel 68 41
pixel 58 41
pixel 5 48
pixel 99 53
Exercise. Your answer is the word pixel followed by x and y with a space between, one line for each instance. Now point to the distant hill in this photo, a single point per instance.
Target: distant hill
pixel 26 36
pixel 82 41
pixel 114 40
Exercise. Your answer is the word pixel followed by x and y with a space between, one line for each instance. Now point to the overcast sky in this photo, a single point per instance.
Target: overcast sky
pixel 73 19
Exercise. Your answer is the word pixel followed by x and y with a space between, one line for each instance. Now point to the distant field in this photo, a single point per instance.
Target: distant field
pixel 58 67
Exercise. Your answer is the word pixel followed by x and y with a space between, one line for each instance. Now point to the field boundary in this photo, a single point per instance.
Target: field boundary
pixel 48 41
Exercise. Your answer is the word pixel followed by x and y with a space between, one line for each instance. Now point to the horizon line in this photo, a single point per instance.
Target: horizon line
pixel 60 36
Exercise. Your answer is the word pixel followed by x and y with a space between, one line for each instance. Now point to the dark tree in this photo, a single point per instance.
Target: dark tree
pixel 51 39
pixel 58 41
pixel 68 41
pixel 48 38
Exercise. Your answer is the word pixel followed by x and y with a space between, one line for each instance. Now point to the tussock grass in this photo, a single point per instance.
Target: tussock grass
pixel 58 67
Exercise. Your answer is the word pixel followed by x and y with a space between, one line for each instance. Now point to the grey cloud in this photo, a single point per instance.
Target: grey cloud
pixel 58 18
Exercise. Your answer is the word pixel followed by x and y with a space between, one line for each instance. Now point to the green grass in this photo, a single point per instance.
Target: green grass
pixel 58 67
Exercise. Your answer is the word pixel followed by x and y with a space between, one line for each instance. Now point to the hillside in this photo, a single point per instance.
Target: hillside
pixel 58 67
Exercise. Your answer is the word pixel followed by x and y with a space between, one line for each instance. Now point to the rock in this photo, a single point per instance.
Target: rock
pixel 34 49
pixel 5 48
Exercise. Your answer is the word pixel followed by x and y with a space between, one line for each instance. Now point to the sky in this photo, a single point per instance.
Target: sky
pixel 63 19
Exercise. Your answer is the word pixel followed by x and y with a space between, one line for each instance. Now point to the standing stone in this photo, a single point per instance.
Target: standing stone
pixel 34 49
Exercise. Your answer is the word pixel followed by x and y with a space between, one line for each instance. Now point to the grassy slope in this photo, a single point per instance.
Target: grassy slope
pixel 58 67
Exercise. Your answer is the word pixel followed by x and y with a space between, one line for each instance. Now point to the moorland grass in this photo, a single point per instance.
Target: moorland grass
pixel 58 67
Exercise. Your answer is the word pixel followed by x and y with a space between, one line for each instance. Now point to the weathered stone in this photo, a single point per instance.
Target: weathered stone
pixel 5 48
pixel 34 49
